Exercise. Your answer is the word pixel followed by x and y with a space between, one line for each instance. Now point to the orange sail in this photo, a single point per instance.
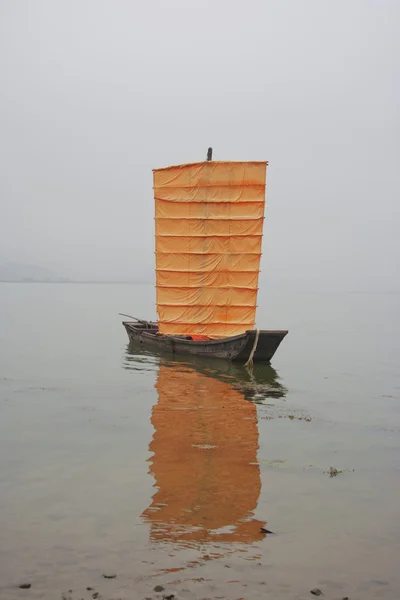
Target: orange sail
pixel 209 222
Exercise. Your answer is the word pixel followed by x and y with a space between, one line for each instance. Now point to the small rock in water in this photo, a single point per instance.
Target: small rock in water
pixel 95 595
pixel 316 592
pixel 25 586
pixel 109 575
pixel 89 589
pixel 264 530
pixel 159 588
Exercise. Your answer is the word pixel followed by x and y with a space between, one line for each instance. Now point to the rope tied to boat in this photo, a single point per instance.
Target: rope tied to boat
pixel 249 362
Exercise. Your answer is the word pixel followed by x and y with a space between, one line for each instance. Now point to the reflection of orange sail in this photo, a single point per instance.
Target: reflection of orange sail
pixel 204 461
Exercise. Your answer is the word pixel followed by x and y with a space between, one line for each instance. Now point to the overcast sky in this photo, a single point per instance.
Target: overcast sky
pixel 96 93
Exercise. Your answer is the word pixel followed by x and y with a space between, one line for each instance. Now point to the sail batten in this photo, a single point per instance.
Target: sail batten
pixel 208 232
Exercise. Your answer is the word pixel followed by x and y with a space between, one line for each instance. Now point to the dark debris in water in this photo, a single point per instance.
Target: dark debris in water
pixel 334 472
pixel 265 530
pixel 291 417
pixel 299 418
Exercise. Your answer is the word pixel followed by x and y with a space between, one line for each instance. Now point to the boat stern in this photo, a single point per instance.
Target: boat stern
pixel 265 344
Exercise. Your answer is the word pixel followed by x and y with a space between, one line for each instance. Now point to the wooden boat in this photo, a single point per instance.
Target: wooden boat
pixel 208 231
pixel 236 348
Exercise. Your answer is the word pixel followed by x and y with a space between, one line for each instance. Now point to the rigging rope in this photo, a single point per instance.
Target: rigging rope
pixel 249 363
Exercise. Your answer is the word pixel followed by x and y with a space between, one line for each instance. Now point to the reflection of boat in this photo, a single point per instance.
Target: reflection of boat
pixel 257 384
pixel 204 456
pixel 208 225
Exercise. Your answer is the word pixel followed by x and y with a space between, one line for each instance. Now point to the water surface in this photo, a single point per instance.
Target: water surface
pixel 163 471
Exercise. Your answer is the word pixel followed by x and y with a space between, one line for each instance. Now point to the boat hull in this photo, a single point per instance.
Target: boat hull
pixel 236 348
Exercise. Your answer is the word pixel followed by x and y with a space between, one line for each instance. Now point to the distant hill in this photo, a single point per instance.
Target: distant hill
pixel 15 272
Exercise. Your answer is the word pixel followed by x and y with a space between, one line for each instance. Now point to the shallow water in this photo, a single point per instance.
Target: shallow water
pixel 162 472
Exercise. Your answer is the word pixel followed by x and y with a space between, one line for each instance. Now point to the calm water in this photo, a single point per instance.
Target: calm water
pixel 163 472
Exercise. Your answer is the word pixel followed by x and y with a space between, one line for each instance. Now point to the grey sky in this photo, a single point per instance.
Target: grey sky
pixel 96 93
